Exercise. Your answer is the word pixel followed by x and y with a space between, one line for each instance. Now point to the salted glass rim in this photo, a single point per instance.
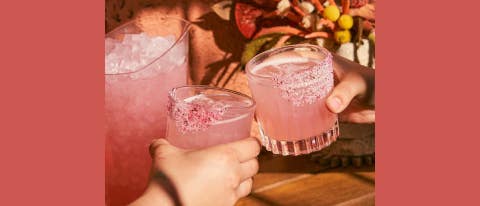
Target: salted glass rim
pixel 185 30
pixel 174 98
pixel 254 61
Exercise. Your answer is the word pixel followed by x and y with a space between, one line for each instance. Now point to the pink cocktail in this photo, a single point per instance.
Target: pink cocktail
pixel 290 85
pixel 202 116
pixel 141 66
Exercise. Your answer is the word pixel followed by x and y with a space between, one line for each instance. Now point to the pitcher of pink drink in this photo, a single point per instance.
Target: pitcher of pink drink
pixel 143 61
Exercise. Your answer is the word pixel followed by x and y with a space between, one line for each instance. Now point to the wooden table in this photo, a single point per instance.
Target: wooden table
pixel 300 181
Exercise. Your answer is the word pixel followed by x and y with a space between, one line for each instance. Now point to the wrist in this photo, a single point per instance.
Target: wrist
pixel 155 194
pixel 370 94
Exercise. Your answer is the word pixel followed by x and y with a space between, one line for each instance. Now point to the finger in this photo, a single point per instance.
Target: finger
pixel 245 149
pixel 161 147
pixel 357 113
pixel 344 92
pixel 248 169
pixel 155 144
pixel 362 117
pixel 244 188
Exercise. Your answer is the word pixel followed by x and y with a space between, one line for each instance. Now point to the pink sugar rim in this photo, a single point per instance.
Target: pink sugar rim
pixel 296 95
pixel 192 116
pixel 249 66
pixel 317 87
pixel 212 115
pixel 174 98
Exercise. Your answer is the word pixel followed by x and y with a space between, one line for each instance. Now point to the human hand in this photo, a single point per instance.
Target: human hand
pixel 353 96
pixel 218 175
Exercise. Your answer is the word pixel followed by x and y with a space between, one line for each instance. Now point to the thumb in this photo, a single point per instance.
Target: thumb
pixel 344 92
pixel 161 147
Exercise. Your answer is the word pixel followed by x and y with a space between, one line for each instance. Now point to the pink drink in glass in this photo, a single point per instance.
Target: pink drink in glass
pixel 290 85
pixel 203 116
pixel 136 100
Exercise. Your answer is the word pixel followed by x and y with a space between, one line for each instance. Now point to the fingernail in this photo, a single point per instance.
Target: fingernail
pixel 334 103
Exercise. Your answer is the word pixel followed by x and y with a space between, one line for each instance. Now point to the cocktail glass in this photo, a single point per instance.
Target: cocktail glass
pixel 136 99
pixel 290 85
pixel 202 116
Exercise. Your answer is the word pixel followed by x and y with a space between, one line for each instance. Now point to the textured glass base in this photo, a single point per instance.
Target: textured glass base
pixel 299 147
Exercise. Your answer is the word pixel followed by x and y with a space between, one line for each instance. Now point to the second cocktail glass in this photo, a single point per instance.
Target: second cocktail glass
pixel 203 116
pixel 290 85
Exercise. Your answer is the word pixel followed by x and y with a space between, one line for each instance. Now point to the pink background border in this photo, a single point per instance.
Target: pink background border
pixel 51 88
pixel 51 84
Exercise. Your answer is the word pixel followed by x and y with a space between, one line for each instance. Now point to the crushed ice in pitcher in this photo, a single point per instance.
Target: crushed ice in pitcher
pixel 134 52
